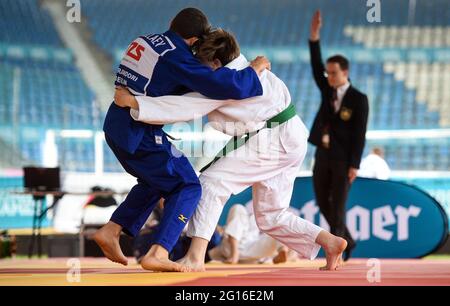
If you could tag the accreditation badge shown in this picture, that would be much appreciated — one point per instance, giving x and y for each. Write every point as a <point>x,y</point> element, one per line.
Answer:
<point>346,114</point>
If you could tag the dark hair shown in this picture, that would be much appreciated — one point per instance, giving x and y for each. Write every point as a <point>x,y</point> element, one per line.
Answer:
<point>219,44</point>
<point>344,64</point>
<point>190,22</point>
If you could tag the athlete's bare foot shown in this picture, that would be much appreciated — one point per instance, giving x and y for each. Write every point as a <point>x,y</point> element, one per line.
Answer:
<point>281,257</point>
<point>153,263</point>
<point>334,247</point>
<point>107,239</point>
<point>157,259</point>
<point>334,253</point>
<point>195,257</point>
<point>341,262</point>
<point>192,265</point>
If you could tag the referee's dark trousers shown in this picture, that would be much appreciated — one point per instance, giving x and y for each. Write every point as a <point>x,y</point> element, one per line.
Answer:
<point>331,187</point>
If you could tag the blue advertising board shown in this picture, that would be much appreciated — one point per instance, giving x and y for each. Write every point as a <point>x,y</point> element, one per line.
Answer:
<point>16,211</point>
<point>387,219</point>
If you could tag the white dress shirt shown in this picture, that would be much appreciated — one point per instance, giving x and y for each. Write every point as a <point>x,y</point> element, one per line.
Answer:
<point>341,91</point>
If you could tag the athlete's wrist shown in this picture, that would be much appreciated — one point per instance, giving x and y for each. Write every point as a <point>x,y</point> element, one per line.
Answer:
<point>133,103</point>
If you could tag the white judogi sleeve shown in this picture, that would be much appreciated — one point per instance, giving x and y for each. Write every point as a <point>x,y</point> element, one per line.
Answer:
<point>172,109</point>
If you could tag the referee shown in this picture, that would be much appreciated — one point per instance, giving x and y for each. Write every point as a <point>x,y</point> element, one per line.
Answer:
<point>338,133</point>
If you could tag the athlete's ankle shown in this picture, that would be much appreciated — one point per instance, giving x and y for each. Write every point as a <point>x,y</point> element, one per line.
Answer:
<point>112,228</point>
<point>195,257</point>
<point>158,251</point>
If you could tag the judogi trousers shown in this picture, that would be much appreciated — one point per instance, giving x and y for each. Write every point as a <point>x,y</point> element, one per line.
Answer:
<point>162,172</point>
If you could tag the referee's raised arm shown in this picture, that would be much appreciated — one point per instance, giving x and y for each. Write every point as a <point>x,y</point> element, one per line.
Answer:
<point>317,65</point>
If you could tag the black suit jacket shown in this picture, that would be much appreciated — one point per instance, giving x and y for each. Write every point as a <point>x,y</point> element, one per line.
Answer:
<point>347,128</point>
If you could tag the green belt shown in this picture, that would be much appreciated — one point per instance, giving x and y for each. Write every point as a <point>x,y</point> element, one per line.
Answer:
<point>238,141</point>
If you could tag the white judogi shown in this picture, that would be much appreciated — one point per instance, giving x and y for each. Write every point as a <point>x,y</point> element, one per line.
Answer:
<point>269,161</point>
<point>253,245</point>
<point>374,166</point>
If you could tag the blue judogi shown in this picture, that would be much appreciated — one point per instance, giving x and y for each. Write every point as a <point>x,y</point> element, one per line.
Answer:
<point>157,65</point>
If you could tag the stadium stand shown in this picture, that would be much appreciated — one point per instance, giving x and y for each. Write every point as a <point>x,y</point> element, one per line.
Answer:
<point>404,94</point>
<point>39,89</point>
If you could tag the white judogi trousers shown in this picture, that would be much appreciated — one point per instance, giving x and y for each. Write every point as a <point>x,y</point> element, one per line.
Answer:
<point>269,162</point>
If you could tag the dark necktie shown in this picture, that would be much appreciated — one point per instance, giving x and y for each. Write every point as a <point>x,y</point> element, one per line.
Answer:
<point>334,98</point>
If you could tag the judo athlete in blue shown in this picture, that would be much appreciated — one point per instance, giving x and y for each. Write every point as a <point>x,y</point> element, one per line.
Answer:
<point>157,65</point>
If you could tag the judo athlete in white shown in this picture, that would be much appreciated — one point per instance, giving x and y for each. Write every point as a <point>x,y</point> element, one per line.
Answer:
<point>243,242</point>
<point>269,161</point>
<point>374,166</point>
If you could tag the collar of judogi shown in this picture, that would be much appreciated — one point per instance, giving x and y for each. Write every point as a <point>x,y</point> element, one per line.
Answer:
<point>177,39</point>
<point>238,63</point>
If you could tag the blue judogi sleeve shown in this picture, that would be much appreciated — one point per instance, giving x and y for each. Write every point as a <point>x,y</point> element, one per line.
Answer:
<point>221,84</point>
